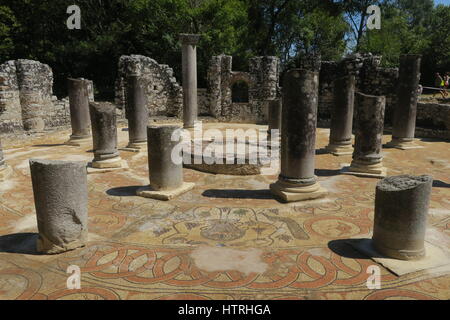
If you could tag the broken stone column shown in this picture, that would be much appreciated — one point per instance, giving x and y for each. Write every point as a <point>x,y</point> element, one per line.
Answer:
<point>166,172</point>
<point>189,64</point>
<point>61,198</point>
<point>79,111</point>
<point>275,115</point>
<point>104,135</point>
<point>401,210</point>
<point>136,113</point>
<point>5,170</point>
<point>342,116</point>
<point>405,113</point>
<point>367,156</point>
<point>297,180</point>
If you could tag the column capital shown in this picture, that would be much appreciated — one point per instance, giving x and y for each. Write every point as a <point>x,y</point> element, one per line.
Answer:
<point>189,39</point>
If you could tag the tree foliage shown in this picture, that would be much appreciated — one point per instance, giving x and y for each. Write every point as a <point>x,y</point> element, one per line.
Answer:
<point>36,29</point>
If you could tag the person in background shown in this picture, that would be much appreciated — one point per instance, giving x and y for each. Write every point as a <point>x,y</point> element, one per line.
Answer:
<point>439,83</point>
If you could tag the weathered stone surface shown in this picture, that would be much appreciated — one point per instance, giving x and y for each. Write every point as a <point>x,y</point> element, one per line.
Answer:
<point>189,66</point>
<point>367,156</point>
<point>401,210</point>
<point>5,170</point>
<point>60,196</point>
<point>79,108</point>
<point>164,93</point>
<point>104,133</point>
<point>342,116</point>
<point>136,112</point>
<point>166,176</point>
<point>405,113</point>
<point>275,115</point>
<point>297,180</point>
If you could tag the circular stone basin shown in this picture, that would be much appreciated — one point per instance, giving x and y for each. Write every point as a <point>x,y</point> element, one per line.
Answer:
<point>239,159</point>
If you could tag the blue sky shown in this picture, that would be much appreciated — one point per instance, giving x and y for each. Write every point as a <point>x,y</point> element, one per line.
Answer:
<point>447,2</point>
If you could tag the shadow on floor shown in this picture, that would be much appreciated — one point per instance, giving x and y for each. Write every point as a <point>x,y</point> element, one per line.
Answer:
<point>440,184</point>
<point>321,151</point>
<point>344,249</point>
<point>123,191</point>
<point>327,173</point>
<point>239,194</point>
<point>24,243</point>
<point>50,145</point>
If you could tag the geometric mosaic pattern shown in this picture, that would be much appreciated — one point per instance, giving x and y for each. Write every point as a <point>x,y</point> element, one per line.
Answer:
<point>143,249</point>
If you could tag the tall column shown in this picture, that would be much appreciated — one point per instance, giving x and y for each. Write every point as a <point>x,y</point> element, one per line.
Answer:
<point>275,115</point>
<point>165,165</point>
<point>405,113</point>
<point>297,180</point>
<point>342,116</point>
<point>61,199</point>
<point>136,113</point>
<point>5,170</point>
<point>79,111</point>
<point>104,135</point>
<point>401,210</point>
<point>189,64</point>
<point>367,156</point>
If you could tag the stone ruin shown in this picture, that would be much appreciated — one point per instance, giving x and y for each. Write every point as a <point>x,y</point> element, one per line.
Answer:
<point>26,97</point>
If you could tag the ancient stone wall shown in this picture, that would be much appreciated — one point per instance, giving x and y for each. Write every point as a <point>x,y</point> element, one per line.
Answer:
<point>371,79</point>
<point>10,110</point>
<point>433,120</point>
<point>165,95</point>
<point>262,82</point>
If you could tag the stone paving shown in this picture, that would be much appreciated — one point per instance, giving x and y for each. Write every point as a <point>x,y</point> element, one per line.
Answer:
<point>226,239</point>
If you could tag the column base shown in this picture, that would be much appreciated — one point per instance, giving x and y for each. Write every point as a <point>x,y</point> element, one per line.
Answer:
<point>45,246</point>
<point>78,142</point>
<point>339,150</point>
<point>403,144</point>
<point>109,165</point>
<point>164,195</point>
<point>407,255</point>
<point>135,147</point>
<point>291,193</point>
<point>5,172</point>
<point>362,169</point>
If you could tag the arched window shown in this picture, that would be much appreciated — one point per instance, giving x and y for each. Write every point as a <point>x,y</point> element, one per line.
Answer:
<point>239,92</point>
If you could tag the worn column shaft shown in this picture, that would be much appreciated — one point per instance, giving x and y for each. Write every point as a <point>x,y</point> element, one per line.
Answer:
<point>164,173</point>
<point>369,128</point>
<point>60,196</point>
<point>136,109</point>
<point>405,113</point>
<point>298,138</point>
<point>2,159</point>
<point>79,108</point>
<point>104,130</point>
<point>189,65</point>
<point>401,210</point>
<point>275,115</point>
<point>342,114</point>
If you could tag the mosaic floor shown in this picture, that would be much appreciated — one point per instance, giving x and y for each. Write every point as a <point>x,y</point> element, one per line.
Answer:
<point>227,239</point>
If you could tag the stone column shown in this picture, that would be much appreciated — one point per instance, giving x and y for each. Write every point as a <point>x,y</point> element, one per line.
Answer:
<point>342,116</point>
<point>401,210</point>
<point>79,111</point>
<point>189,64</point>
<point>405,113</point>
<point>136,113</point>
<point>166,172</point>
<point>5,170</point>
<point>61,199</point>
<point>297,180</point>
<point>104,135</point>
<point>275,115</point>
<point>367,156</point>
